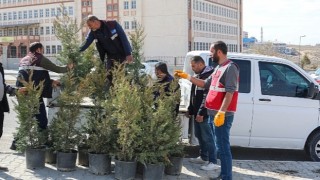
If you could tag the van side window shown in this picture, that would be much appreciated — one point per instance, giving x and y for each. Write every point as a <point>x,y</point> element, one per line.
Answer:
<point>282,80</point>
<point>244,76</point>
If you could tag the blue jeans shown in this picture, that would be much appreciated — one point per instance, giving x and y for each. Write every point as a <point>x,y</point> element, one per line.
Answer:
<point>205,133</point>
<point>223,147</point>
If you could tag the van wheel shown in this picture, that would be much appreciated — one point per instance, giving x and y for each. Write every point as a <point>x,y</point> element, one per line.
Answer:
<point>313,148</point>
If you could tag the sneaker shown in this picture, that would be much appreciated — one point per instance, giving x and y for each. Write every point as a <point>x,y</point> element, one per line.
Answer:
<point>198,160</point>
<point>216,178</point>
<point>210,167</point>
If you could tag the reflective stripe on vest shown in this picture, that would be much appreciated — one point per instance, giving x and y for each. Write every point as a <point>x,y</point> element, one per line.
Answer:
<point>217,91</point>
<point>32,68</point>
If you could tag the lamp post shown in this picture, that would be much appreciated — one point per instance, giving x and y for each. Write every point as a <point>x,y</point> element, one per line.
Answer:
<point>299,49</point>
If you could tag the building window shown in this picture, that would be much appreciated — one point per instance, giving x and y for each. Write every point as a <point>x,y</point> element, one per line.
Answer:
<point>65,11</point>
<point>31,31</point>
<point>19,15</point>
<point>47,12</point>
<point>126,5</point>
<point>109,7</point>
<point>133,4</point>
<point>41,13</point>
<point>14,14</point>
<point>53,12</point>
<point>59,49</point>
<point>13,51</point>
<point>35,13</point>
<point>0,32</point>
<point>41,30</point>
<point>30,14</point>
<point>54,51</point>
<point>133,24</point>
<point>4,16</point>
<point>25,14</point>
<point>20,32</point>
<point>84,3</point>
<point>47,30</point>
<point>10,32</point>
<point>23,50</point>
<point>47,49</point>
<point>9,16</point>
<point>0,17</point>
<point>36,31</point>
<point>15,32</point>
<point>58,12</point>
<point>25,31</point>
<point>70,10</point>
<point>52,30</point>
<point>89,3</point>
<point>115,7</point>
<point>126,24</point>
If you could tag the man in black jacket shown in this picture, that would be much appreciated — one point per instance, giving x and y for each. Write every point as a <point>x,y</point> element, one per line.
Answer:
<point>4,106</point>
<point>202,122</point>
<point>111,42</point>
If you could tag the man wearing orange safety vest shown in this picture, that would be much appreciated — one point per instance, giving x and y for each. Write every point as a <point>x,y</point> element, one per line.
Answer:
<point>221,102</point>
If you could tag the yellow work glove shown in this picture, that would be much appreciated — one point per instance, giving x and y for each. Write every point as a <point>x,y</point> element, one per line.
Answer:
<point>219,118</point>
<point>182,74</point>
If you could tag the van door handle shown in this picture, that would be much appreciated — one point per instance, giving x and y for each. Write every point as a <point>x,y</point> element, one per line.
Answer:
<point>264,99</point>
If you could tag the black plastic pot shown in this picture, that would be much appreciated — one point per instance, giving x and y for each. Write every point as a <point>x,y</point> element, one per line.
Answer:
<point>175,167</point>
<point>99,164</point>
<point>35,158</point>
<point>66,161</point>
<point>125,170</point>
<point>153,171</point>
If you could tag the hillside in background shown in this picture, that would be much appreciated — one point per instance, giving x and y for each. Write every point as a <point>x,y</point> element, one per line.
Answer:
<point>313,52</point>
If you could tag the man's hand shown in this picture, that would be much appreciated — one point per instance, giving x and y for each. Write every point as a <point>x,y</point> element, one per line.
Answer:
<point>219,118</point>
<point>70,66</point>
<point>129,59</point>
<point>199,118</point>
<point>23,90</point>
<point>55,83</point>
<point>181,74</point>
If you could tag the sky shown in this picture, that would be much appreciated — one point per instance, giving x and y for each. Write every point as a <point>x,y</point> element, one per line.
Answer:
<point>283,20</point>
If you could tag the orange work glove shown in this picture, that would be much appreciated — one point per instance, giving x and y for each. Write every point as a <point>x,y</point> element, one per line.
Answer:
<point>182,74</point>
<point>219,118</point>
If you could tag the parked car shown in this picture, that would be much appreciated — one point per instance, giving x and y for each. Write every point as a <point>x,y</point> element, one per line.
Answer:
<point>278,104</point>
<point>316,75</point>
<point>148,69</point>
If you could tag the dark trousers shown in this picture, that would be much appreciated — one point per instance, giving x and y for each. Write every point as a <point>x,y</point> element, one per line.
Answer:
<point>1,122</point>
<point>42,116</point>
<point>109,64</point>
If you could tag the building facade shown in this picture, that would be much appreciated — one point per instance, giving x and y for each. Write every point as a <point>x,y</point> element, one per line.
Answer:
<point>172,27</point>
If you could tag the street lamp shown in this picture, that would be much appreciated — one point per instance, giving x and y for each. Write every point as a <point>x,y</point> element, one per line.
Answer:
<point>299,49</point>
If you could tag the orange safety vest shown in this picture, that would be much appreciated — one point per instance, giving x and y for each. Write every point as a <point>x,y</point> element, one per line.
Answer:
<point>217,91</point>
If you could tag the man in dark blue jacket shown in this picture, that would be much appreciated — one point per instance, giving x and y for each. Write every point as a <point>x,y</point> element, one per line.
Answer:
<point>110,40</point>
<point>202,122</point>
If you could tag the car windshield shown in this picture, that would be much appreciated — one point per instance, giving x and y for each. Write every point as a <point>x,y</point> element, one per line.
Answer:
<point>317,72</point>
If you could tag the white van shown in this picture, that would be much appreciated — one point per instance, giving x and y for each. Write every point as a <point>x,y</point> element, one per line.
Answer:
<point>278,105</point>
